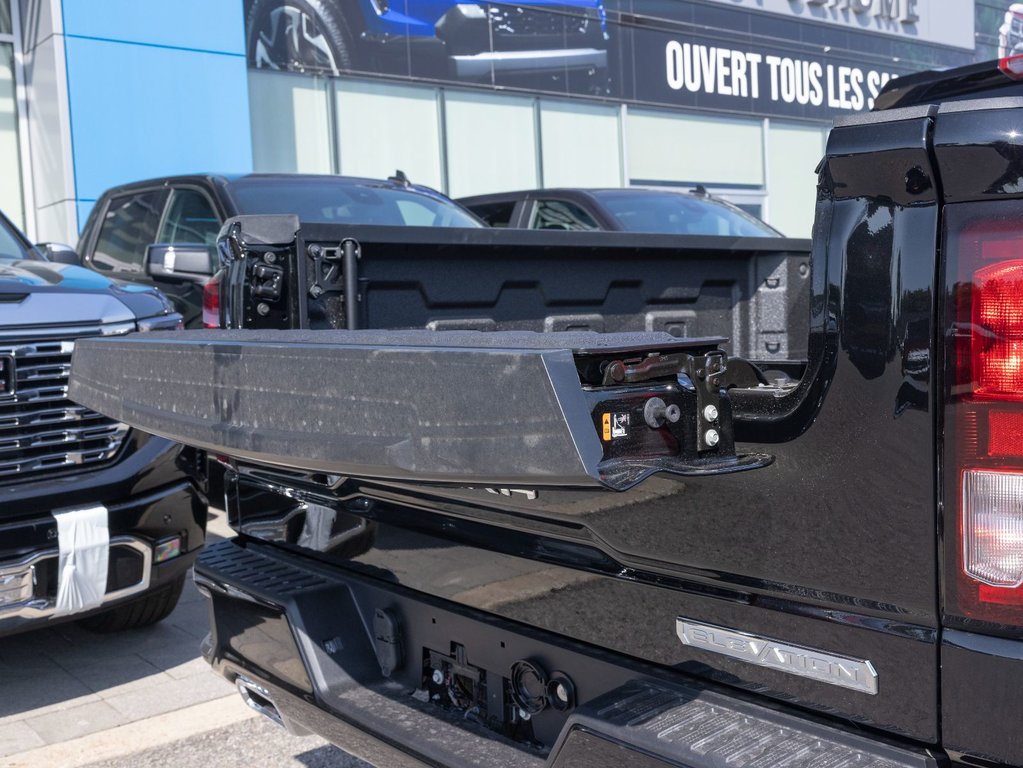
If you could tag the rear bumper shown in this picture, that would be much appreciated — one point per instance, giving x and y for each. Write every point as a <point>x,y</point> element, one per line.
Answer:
<point>305,642</point>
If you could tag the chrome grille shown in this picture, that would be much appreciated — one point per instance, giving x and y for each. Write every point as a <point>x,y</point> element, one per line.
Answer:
<point>41,431</point>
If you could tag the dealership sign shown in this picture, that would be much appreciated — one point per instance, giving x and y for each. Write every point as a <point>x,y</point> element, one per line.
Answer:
<point>827,58</point>
<point>748,75</point>
<point>944,22</point>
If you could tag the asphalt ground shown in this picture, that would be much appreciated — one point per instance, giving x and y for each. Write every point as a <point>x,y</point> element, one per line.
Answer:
<point>71,698</point>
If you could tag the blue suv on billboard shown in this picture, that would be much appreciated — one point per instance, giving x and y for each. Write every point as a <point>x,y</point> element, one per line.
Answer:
<point>435,39</point>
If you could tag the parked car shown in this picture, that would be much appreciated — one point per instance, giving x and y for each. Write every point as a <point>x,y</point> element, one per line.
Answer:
<point>442,38</point>
<point>163,231</point>
<point>99,521</point>
<point>627,209</point>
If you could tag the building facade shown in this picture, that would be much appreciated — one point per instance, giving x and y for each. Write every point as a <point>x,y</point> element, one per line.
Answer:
<point>468,97</point>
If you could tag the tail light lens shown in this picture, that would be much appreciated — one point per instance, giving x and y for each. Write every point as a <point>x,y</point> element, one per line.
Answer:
<point>211,302</point>
<point>1012,66</point>
<point>993,527</point>
<point>983,456</point>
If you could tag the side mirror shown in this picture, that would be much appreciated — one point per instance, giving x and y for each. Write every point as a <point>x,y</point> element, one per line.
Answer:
<point>188,262</point>
<point>59,253</point>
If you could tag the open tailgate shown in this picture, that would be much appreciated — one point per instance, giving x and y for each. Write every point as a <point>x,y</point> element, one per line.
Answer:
<point>563,409</point>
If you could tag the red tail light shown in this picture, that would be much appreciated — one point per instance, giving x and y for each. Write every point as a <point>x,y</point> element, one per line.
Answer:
<point>984,411</point>
<point>211,302</point>
<point>997,328</point>
<point>1012,66</point>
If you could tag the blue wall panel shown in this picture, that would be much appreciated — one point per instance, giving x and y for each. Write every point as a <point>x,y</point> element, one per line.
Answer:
<point>155,87</point>
<point>207,25</point>
<point>139,111</point>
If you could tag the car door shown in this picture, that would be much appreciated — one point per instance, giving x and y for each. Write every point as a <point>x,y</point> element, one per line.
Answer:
<point>191,223</point>
<point>129,223</point>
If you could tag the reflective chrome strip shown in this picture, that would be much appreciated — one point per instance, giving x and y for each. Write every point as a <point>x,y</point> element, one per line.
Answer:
<point>856,674</point>
<point>41,430</point>
<point>17,582</point>
<point>57,332</point>
<point>478,64</point>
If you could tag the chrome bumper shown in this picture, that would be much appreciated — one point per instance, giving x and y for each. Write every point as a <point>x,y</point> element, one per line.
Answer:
<point>482,64</point>
<point>18,598</point>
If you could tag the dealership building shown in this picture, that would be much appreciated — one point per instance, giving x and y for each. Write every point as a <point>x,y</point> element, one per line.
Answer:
<point>467,97</point>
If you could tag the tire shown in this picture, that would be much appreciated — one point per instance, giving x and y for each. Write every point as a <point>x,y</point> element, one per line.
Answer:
<point>141,612</point>
<point>298,35</point>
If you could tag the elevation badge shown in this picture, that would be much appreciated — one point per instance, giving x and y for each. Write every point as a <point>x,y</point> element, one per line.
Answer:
<point>857,674</point>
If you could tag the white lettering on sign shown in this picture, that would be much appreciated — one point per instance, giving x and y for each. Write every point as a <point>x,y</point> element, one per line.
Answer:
<point>698,68</point>
<point>945,22</point>
<point>713,70</point>
<point>902,10</point>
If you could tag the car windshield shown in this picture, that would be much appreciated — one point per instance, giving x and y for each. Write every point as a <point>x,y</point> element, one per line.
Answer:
<point>11,246</point>
<point>331,200</point>
<point>680,213</point>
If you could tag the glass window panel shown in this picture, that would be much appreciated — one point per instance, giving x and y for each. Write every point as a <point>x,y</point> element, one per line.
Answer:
<point>384,127</point>
<point>793,153</point>
<point>491,143</point>
<point>5,17</point>
<point>415,214</point>
<point>10,166</point>
<point>129,225</point>
<point>335,199</point>
<point>190,219</point>
<point>581,145</point>
<point>707,150</point>
<point>495,214</point>
<point>678,212</point>
<point>561,214</point>
<point>290,123</point>
<point>11,246</point>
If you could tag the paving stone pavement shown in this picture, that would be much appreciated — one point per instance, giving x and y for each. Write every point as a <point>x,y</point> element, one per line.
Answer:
<point>63,683</point>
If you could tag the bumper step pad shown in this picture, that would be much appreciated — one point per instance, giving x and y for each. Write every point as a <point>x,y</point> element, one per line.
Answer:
<point>690,728</point>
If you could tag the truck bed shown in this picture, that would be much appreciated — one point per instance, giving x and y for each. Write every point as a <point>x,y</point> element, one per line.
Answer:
<point>751,291</point>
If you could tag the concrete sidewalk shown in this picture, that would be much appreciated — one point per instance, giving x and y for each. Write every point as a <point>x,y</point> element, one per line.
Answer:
<point>62,684</point>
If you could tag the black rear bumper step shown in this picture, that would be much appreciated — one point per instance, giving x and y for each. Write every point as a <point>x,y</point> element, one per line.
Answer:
<point>318,620</point>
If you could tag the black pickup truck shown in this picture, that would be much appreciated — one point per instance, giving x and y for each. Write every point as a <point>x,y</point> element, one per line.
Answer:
<point>98,522</point>
<point>746,503</point>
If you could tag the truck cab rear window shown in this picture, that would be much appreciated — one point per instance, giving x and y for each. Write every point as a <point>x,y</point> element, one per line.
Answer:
<point>332,201</point>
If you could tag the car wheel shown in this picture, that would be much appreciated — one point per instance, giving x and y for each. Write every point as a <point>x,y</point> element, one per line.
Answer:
<point>140,612</point>
<point>298,35</point>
